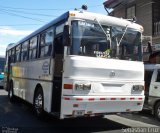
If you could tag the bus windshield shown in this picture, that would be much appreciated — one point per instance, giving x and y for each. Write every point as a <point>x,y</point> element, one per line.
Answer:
<point>90,38</point>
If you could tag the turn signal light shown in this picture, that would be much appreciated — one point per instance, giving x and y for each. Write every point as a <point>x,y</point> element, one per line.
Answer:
<point>68,86</point>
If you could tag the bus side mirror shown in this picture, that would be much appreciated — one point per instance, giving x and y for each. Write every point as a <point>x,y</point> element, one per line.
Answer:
<point>66,38</point>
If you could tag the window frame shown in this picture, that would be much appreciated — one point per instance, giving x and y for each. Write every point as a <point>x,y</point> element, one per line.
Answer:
<point>132,13</point>
<point>31,49</point>
<point>59,28</point>
<point>27,49</point>
<point>13,54</point>
<point>43,44</point>
<point>19,58</point>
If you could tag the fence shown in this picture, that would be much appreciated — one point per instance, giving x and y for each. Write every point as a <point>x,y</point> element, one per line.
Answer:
<point>156,28</point>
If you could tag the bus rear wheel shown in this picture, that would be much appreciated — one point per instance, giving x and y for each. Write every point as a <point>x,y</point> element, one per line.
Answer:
<point>157,111</point>
<point>11,93</point>
<point>39,103</point>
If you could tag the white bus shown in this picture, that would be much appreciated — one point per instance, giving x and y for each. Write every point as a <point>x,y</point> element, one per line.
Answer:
<point>80,64</point>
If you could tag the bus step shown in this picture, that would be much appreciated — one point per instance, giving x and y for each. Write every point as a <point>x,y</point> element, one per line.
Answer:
<point>56,114</point>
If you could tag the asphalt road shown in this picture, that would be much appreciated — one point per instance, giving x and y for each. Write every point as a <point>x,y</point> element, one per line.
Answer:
<point>19,117</point>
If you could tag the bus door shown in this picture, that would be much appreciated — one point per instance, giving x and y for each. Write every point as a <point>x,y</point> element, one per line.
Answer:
<point>8,72</point>
<point>58,68</point>
<point>147,79</point>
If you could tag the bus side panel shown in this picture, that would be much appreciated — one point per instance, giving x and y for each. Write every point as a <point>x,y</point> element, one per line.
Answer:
<point>26,77</point>
<point>21,90</point>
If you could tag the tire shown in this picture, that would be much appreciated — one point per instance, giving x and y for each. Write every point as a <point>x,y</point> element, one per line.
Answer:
<point>157,111</point>
<point>11,93</point>
<point>38,103</point>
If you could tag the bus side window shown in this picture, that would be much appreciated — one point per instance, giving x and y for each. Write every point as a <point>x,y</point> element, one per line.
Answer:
<point>24,52</point>
<point>18,50</point>
<point>33,48</point>
<point>42,45</point>
<point>46,42</point>
<point>58,45</point>
<point>49,41</point>
<point>13,55</point>
<point>9,54</point>
<point>58,56</point>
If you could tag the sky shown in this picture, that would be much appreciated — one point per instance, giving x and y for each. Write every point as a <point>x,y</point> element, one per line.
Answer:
<point>19,18</point>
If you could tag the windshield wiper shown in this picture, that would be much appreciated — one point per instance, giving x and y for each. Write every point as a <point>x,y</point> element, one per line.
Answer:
<point>118,44</point>
<point>104,32</point>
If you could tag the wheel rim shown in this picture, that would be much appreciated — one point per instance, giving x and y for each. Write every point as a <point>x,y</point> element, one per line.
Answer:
<point>158,111</point>
<point>38,103</point>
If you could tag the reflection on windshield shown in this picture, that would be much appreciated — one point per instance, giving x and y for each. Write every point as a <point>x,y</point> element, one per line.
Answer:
<point>89,39</point>
<point>128,46</point>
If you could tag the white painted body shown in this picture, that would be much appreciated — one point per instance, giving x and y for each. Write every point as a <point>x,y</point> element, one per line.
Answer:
<point>26,76</point>
<point>109,93</point>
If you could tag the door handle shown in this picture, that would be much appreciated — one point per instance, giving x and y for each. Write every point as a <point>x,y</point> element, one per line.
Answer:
<point>155,87</point>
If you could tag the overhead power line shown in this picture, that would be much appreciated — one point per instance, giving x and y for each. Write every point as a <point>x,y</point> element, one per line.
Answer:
<point>12,11</point>
<point>19,8</point>
<point>56,9</point>
<point>13,14</point>
<point>18,25</point>
<point>23,12</point>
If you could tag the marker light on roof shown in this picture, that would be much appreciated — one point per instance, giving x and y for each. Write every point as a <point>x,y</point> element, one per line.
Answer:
<point>72,15</point>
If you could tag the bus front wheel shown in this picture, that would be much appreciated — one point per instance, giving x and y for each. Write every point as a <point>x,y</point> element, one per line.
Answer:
<point>157,111</point>
<point>39,102</point>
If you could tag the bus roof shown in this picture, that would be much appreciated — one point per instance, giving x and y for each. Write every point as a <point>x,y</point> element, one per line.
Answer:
<point>103,19</point>
<point>107,20</point>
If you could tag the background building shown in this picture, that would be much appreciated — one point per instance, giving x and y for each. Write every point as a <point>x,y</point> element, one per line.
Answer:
<point>147,13</point>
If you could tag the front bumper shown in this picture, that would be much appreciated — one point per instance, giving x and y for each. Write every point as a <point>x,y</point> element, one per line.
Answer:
<point>90,105</point>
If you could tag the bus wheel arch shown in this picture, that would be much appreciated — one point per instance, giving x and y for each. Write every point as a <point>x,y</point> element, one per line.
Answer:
<point>157,110</point>
<point>10,91</point>
<point>38,101</point>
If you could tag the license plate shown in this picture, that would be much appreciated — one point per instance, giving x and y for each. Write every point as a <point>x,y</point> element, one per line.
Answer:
<point>78,112</point>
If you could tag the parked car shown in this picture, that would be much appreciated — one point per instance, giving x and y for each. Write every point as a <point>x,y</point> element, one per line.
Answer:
<point>1,80</point>
<point>2,62</point>
<point>152,89</point>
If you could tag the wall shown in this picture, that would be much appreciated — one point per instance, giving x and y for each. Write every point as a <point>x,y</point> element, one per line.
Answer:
<point>143,14</point>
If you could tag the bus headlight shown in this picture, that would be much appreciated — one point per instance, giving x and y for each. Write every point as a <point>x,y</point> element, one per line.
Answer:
<point>82,87</point>
<point>138,88</point>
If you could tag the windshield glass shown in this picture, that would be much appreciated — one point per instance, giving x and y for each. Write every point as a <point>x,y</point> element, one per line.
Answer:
<point>93,39</point>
